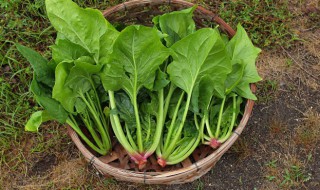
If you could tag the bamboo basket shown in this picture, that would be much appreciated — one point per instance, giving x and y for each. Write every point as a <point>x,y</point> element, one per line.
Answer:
<point>117,164</point>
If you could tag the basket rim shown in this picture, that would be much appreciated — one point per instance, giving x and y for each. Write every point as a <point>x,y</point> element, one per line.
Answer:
<point>167,176</point>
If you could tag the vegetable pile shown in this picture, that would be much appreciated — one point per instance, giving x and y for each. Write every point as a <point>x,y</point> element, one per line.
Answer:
<point>164,89</point>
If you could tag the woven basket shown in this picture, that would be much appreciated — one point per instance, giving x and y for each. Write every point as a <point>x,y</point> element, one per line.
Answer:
<point>117,164</point>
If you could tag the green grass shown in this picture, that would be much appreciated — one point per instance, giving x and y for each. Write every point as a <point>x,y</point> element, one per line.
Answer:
<point>267,21</point>
<point>25,22</point>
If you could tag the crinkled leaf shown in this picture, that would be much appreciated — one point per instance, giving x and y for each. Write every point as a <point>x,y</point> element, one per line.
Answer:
<point>125,109</point>
<point>81,26</point>
<point>176,25</point>
<point>148,125</point>
<point>80,105</point>
<point>150,106</point>
<point>137,54</point>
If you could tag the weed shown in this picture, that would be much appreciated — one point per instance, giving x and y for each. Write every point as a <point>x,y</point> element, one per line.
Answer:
<point>200,185</point>
<point>267,90</point>
<point>272,163</point>
<point>242,148</point>
<point>308,133</point>
<point>294,174</point>
<point>278,127</point>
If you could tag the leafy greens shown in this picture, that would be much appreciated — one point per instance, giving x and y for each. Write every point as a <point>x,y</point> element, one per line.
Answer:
<point>163,89</point>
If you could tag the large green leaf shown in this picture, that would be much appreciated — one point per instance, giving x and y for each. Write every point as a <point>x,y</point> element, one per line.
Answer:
<point>81,26</point>
<point>200,65</point>
<point>137,54</point>
<point>43,71</point>
<point>176,25</point>
<point>242,51</point>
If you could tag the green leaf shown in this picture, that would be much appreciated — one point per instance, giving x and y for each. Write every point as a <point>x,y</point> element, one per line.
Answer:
<point>200,65</point>
<point>106,44</point>
<point>64,50</point>
<point>80,76</point>
<point>81,26</point>
<point>161,80</point>
<point>234,77</point>
<point>242,51</point>
<point>52,107</point>
<point>63,93</point>
<point>43,71</point>
<point>137,54</point>
<point>36,119</point>
<point>243,89</point>
<point>125,109</point>
<point>176,25</point>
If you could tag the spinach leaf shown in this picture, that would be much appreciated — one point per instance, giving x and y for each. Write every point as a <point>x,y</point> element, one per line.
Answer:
<point>200,59</point>
<point>81,26</point>
<point>65,50</point>
<point>242,51</point>
<point>43,71</point>
<point>137,54</point>
<point>176,25</point>
<point>36,119</point>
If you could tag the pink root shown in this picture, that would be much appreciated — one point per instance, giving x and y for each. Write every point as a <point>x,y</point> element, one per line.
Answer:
<point>162,162</point>
<point>214,143</point>
<point>140,160</point>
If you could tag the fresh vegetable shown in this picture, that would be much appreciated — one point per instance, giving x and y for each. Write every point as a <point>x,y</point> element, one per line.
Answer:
<point>132,66</point>
<point>68,87</point>
<point>164,89</point>
<point>220,121</point>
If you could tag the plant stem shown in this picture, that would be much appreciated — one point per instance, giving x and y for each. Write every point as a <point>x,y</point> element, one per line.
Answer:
<point>220,117</point>
<point>133,144</point>
<point>160,123</point>
<point>181,157</point>
<point>116,126</point>
<point>178,134</point>
<point>139,130</point>
<point>86,120</point>
<point>96,118</point>
<point>79,132</point>
<point>208,126</point>
<point>234,104</point>
<point>167,101</point>
<point>171,128</point>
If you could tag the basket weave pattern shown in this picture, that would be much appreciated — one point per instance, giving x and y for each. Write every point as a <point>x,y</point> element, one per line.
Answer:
<point>117,163</point>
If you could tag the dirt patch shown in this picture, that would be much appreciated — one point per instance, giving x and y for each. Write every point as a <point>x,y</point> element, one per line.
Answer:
<point>43,165</point>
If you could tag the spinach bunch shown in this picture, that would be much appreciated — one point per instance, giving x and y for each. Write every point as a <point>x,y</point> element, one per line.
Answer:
<point>164,88</point>
<point>209,75</point>
<point>68,86</point>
